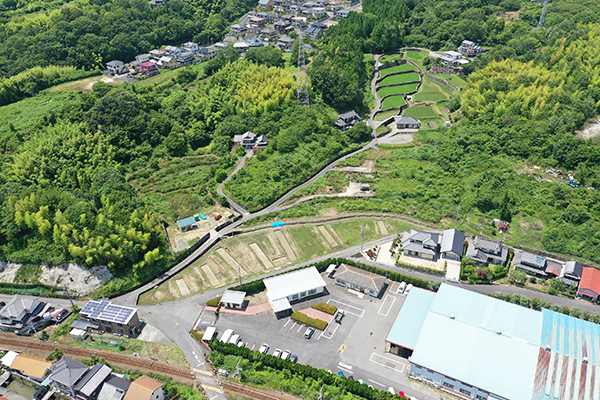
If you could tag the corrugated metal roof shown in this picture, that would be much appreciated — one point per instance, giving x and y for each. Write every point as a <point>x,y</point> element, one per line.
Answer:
<point>293,282</point>
<point>409,321</point>
<point>186,222</point>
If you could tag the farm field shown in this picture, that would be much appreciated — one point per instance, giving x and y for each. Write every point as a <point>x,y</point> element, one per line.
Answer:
<point>266,251</point>
<point>407,88</point>
<point>419,112</point>
<point>25,113</point>
<point>393,101</point>
<point>401,78</point>
<point>385,115</point>
<point>453,79</point>
<point>390,57</point>
<point>429,96</point>
<point>397,68</point>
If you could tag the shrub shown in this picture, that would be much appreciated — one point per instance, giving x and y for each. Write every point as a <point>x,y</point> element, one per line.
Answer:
<point>303,318</point>
<point>328,308</point>
<point>214,302</point>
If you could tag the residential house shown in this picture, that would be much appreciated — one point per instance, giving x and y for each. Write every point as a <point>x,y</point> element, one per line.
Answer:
<point>322,3</point>
<point>342,13</point>
<point>149,69</point>
<point>572,271</point>
<point>469,49</point>
<point>589,286</point>
<point>116,67</point>
<point>318,11</point>
<point>167,62</point>
<point>453,58</point>
<point>347,120</point>
<point>452,244</point>
<point>238,29</point>
<point>111,318</point>
<point>207,53</point>
<point>142,58</point>
<point>285,43</point>
<point>32,366</point>
<point>156,3</point>
<point>289,29</point>
<point>145,388</point>
<point>65,373</point>
<point>420,244</point>
<point>269,32</point>
<point>172,50</point>
<point>254,40</point>
<point>241,47</point>
<point>221,45</point>
<point>294,9</point>
<point>88,387</point>
<point>269,17</point>
<point>313,33</point>
<point>281,25</point>
<point>360,280</point>
<point>113,388</point>
<point>191,46</point>
<point>319,25</point>
<point>255,29</point>
<point>537,265</point>
<point>334,6</point>
<point>300,21</point>
<point>247,140</point>
<point>487,251</point>
<point>266,4</point>
<point>233,299</point>
<point>261,143</point>
<point>257,21</point>
<point>287,17</point>
<point>19,310</point>
<point>185,58</point>
<point>407,123</point>
<point>157,53</point>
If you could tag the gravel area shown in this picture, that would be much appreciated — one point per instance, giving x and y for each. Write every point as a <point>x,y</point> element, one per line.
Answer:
<point>8,271</point>
<point>77,278</point>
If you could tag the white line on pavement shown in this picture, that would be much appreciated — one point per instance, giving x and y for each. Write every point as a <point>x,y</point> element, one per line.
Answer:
<point>292,327</point>
<point>385,365</point>
<point>333,333</point>
<point>287,322</point>
<point>300,328</point>
<point>362,312</point>
<point>344,365</point>
<point>213,398</point>
<point>375,382</point>
<point>384,303</point>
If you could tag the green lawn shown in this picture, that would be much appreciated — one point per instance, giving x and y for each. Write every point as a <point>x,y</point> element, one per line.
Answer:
<point>390,57</point>
<point>429,96</point>
<point>401,78</point>
<point>385,115</point>
<point>25,113</point>
<point>397,68</point>
<point>419,112</point>
<point>415,55</point>
<point>408,88</point>
<point>453,79</point>
<point>432,123</point>
<point>393,101</point>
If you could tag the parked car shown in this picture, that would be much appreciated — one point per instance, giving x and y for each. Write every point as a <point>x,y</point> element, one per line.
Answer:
<point>286,354</point>
<point>218,217</point>
<point>264,348</point>
<point>309,332</point>
<point>35,327</point>
<point>401,288</point>
<point>235,339</point>
<point>62,315</point>
<point>339,317</point>
<point>407,290</point>
<point>341,374</point>
<point>241,344</point>
<point>294,358</point>
<point>277,353</point>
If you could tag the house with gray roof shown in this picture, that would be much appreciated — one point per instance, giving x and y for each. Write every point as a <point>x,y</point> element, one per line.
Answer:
<point>18,309</point>
<point>486,251</point>
<point>407,123</point>
<point>573,271</point>
<point>537,265</point>
<point>65,373</point>
<point>90,383</point>
<point>420,244</point>
<point>116,67</point>
<point>113,388</point>
<point>452,244</point>
<point>357,279</point>
<point>347,120</point>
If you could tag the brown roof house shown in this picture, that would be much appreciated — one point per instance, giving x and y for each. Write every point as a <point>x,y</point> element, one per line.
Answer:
<point>32,366</point>
<point>357,279</point>
<point>145,388</point>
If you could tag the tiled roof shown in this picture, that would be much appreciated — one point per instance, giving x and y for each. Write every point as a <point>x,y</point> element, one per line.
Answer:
<point>590,280</point>
<point>68,371</point>
<point>31,365</point>
<point>142,388</point>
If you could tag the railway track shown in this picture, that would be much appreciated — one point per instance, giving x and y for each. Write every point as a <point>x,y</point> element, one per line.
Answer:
<point>248,391</point>
<point>11,342</point>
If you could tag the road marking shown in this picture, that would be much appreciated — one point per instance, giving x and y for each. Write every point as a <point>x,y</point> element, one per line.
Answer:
<point>200,364</point>
<point>300,328</point>
<point>347,370</point>
<point>201,371</point>
<point>390,364</point>
<point>253,346</point>
<point>213,398</point>
<point>292,327</point>
<point>287,322</point>
<point>385,301</point>
<point>344,365</point>
<point>342,348</point>
<point>214,389</point>
<point>193,352</point>
<point>362,312</point>
<point>333,333</point>
<point>375,382</point>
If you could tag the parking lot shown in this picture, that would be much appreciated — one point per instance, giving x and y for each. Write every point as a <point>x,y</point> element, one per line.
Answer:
<point>356,346</point>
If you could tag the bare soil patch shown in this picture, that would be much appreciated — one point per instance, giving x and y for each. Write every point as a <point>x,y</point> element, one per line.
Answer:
<point>591,130</point>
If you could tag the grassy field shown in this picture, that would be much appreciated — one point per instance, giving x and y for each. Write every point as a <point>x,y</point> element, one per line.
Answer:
<point>407,88</point>
<point>84,85</point>
<point>27,112</point>
<point>390,57</point>
<point>429,96</point>
<point>415,55</point>
<point>453,79</point>
<point>281,247</point>
<point>401,78</point>
<point>432,123</point>
<point>419,112</point>
<point>385,115</point>
<point>393,101</point>
<point>397,68</point>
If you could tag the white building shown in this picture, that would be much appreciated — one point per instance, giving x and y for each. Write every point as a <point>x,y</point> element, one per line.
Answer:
<point>293,286</point>
<point>233,299</point>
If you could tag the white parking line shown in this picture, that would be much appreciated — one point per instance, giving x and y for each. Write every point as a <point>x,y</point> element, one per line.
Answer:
<point>300,328</point>
<point>391,364</point>
<point>385,301</point>
<point>253,346</point>
<point>333,333</point>
<point>362,312</point>
<point>347,370</point>
<point>375,382</point>
<point>344,365</point>
<point>292,327</point>
<point>287,322</point>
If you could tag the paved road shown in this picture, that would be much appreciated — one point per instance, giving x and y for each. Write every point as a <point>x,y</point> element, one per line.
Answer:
<point>232,202</point>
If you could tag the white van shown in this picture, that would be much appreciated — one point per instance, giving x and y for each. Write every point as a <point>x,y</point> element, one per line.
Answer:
<point>235,339</point>
<point>408,289</point>
<point>401,287</point>
<point>227,335</point>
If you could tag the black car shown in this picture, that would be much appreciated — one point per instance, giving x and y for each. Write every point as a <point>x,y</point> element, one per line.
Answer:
<point>35,327</point>
<point>64,314</point>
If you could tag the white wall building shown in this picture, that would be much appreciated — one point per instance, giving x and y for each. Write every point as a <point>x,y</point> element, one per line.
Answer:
<point>293,286</point>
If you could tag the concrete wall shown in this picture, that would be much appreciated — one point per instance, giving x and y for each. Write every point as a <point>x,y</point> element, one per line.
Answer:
<point>299,296</point>
<point>444,382</point>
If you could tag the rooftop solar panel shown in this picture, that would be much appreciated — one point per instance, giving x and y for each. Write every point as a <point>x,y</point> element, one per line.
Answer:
<point>106,311</point>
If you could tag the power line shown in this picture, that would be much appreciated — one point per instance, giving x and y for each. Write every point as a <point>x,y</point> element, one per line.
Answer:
<point>301,75</point>
<point>542,17</point>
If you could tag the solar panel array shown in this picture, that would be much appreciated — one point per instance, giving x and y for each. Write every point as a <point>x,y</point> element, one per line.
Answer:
<point>106,311</point>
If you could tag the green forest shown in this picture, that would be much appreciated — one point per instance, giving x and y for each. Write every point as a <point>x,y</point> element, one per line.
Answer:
<point>90,177</point>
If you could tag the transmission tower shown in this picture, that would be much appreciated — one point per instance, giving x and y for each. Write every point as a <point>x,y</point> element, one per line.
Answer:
<point>542,17</point>
<point>301,75</point>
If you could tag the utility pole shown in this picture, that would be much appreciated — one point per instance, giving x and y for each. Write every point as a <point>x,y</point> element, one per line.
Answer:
<point>542,17</point>
<point>456,220</point>
<point>148,350</point>
<point>240,273</point>
<point>362,227</point>
<point>321,393</point>
<point>409,219</point>
<point>69,295</point>
<point>301,76</point>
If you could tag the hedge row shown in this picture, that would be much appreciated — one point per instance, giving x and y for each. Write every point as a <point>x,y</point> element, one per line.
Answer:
<point>306,320</point>
<point>214,302</point>
<point>301,370</point>
<point>419,268</point>
<point>328,308</point>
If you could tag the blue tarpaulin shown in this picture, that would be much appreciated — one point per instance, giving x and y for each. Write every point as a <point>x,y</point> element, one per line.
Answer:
<point>276,224</point>
<point>203,217</point>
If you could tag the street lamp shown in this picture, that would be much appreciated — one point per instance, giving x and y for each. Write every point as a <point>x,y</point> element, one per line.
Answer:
<point>456,220</point>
